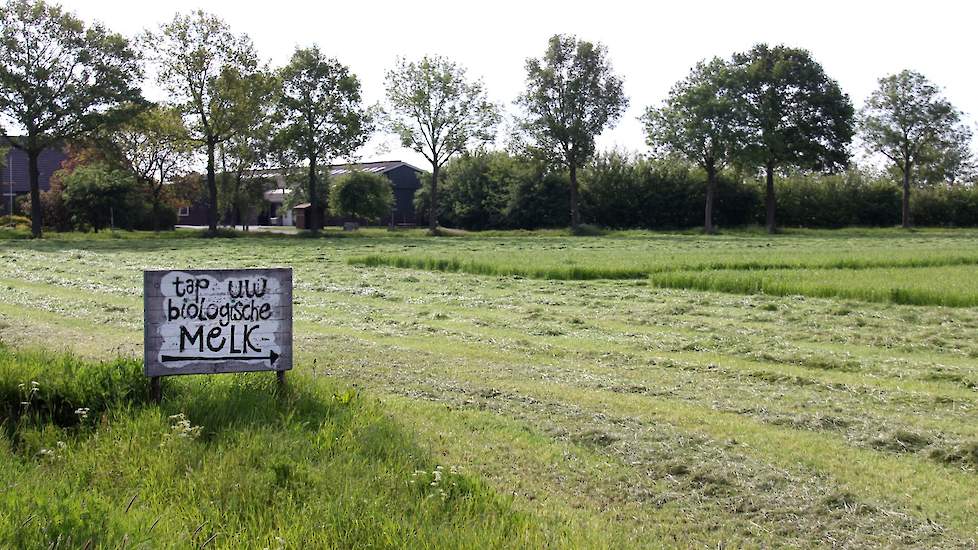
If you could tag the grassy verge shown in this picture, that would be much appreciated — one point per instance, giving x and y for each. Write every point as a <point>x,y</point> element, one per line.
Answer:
<point>223,462</point>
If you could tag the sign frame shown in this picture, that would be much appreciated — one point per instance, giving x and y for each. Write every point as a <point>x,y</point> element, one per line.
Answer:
<point>156,318</point>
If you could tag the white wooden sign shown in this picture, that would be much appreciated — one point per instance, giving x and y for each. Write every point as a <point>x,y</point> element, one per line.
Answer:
<point>217,320</point>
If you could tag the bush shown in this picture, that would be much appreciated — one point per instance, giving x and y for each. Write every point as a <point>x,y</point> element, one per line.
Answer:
<point>496,190</point>
<point>622,192</point>
<point>16,222</point>
<point>474,190</point>
<point>361,195</point>
<point>954,207</point>
<point>838,200</point>
<point>539,198</point>
<point>97,195</point>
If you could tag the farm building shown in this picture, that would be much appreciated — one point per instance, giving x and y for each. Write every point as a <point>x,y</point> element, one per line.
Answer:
<point>15,179</point>
<point>405,181</point>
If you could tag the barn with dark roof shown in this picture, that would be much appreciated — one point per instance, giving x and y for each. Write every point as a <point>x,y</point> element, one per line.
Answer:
<point>405,182</point>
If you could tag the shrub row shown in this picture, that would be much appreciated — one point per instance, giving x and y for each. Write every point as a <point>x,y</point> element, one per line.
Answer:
<point>497,190</point>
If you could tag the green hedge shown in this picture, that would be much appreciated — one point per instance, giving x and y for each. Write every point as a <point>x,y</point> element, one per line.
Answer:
<point>496,190</point>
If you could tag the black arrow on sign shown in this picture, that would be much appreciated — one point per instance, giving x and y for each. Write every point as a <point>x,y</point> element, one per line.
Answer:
<point>272,357</point>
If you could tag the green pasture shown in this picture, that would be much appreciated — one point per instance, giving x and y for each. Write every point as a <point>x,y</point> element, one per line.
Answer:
<point>808,389</point>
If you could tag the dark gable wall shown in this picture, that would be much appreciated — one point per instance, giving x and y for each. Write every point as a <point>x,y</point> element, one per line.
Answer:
<point>405,182</point>
<point>16,163</point>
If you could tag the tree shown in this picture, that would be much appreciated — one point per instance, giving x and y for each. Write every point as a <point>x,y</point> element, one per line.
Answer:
<point>323,115</point>
<point>241,191</point>
<point>214,77</point>
<point>250,148</point>
<point>789,114</point>
<point>907,120</point>
<point>476,188</point>
<point>361,195</point>
<point>572,96</point>
<point>60,80</point>
<point>951,161</point>
<point>697,122</point>
<point>296,185</point>
<point>99,194</point>
<point>153,146</point>
<point>438,112</point>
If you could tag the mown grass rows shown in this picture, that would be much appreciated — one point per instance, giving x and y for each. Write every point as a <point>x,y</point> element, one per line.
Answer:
<point>653,417</point>
<point>671,438</point>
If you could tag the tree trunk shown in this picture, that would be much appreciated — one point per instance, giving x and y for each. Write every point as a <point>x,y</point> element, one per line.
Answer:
<point>433,203</point>
<point>769,199</point>
<point>711,188</point>
<point>315,220</point>
<point>211,190</point>
<point>575,211</point>
<point>906,196</point>
<point>35,176</point>
<point>155,193</point>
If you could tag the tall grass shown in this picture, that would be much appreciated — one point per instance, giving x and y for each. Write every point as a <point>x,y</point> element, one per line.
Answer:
<point>504,267</point>
<point>224,462</point>
<point>953,286</point>
<point>485,268</point>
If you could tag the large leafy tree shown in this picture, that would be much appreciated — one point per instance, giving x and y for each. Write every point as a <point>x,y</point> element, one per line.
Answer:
<point>214,78</point>
<point>361,195</point>
<point>153,146</point>
<point>323,116</point>
<point>790,114</point>
<point>908,121</point>
<point>697,122</point>
<point>437,111</point>
<point>61,79</point>
<point>572,96</point>
<point>249,149</point>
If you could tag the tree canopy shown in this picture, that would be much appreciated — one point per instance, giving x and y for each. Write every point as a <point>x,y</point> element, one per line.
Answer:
<point>322,115</point>
<point>572,95</point>
<point>153,146</point>
<point>789,114</point>
<point>908,121</point>
<point>436,110</point>
<point>698,122</point>
<point>361,195</point>
<point>61,79</point>
<point>214,77</point>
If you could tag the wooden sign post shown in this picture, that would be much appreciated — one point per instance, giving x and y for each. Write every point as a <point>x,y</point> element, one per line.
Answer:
<point>216,320</point>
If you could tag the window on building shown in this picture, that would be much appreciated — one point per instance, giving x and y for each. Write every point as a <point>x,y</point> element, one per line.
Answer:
<point>184,211</point>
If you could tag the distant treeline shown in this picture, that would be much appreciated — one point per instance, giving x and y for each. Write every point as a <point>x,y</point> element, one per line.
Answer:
<point>499,190</point>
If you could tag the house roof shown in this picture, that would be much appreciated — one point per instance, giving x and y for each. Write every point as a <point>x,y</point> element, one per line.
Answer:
<point>377,167</point>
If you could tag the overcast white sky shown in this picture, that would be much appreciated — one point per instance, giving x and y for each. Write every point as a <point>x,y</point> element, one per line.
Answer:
<point>651,45</point>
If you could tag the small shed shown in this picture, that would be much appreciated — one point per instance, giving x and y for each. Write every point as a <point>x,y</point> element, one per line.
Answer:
<point>300,215</point>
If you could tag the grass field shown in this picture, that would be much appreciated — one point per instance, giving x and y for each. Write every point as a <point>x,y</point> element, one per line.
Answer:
<point>628,390</point>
